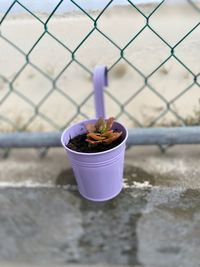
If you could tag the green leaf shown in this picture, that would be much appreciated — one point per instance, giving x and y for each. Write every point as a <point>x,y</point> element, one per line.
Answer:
<point>91,145</point>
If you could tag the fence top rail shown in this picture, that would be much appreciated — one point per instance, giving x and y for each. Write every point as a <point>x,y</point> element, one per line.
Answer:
<point>146,136</point>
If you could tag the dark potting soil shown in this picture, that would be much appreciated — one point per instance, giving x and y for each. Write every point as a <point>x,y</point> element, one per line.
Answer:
<point>79,144</point>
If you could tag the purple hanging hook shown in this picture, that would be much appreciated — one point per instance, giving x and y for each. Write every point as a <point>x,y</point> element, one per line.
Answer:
<point>100,79</point>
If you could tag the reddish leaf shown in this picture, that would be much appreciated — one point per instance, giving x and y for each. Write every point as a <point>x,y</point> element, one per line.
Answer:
<point>91,128</point>
<point>93,142</point>
<point>111,139</point>
<point>107,133</point>
<point>101,125</point>
<point>95,137</point>
<point>109,123</point>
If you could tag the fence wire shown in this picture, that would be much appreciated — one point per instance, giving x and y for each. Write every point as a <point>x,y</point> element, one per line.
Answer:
<point>74,59</point>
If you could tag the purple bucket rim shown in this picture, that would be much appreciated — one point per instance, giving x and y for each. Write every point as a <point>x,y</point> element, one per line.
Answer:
<point>95,153</point>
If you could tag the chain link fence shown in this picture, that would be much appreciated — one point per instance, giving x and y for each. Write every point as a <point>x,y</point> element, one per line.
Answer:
<point>12,84</point>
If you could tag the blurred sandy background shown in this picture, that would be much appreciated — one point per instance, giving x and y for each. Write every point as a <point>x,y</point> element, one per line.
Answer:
<point>146,53</point>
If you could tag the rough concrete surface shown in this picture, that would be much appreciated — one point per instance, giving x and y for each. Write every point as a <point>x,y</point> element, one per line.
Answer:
<point>178,167</point>
<point>154,221</point>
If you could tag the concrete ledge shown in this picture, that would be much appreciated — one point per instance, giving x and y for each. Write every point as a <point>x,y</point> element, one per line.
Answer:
<point>178,167</point>
<point>154,221</point>
<point>140,227</point>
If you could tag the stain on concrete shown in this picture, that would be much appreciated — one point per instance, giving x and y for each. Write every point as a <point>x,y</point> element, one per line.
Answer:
<point>131,175</point>
<point>169,250</point>
<point>135,174</point>
<point>39,226</point>
<point>169,230</point>
<point>52,225</point>
<point>66,177</point>
<point>190,197</point>
<point>110,234</point>
<point>167,180</point>
<point>186,207</point>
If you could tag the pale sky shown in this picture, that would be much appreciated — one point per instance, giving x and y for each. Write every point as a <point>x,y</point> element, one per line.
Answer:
<point>66,6</point>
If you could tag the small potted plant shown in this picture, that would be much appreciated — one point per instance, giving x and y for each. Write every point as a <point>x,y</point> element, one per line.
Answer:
<point>96,151</point>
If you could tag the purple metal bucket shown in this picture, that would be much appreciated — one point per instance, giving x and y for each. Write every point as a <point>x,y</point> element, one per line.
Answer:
<point>99,175</point>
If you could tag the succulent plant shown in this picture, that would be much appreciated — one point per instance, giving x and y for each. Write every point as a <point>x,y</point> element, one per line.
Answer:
<point>101,132</point>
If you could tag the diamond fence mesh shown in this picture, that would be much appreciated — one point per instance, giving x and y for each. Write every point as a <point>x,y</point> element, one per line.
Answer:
<point>26,57</point>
